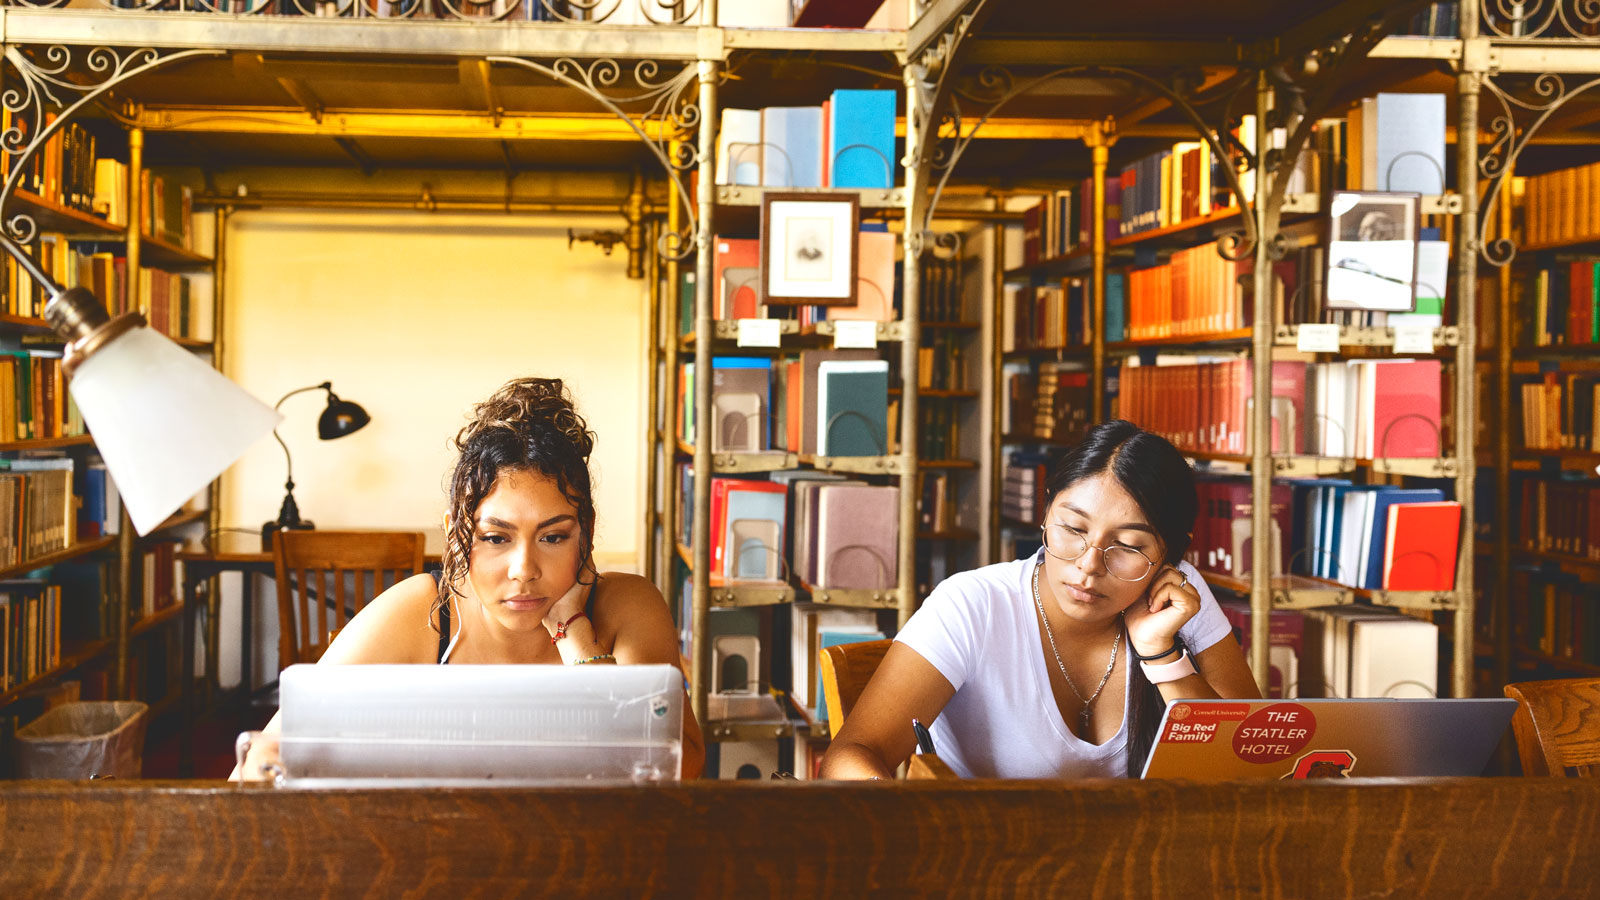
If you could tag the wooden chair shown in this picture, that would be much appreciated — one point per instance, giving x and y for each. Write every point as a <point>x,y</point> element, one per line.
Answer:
<point>323,578</point>
<point>1557,726</point>
<point>846,669</point>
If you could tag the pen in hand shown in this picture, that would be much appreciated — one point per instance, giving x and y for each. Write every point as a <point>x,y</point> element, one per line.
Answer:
<point>924,739</point>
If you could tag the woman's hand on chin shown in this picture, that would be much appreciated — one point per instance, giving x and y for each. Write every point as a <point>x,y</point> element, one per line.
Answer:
<point>1153,621</point>
<point>567,605</point>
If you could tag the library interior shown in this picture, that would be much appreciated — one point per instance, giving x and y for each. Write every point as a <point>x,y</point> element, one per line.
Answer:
<point>895,361</point>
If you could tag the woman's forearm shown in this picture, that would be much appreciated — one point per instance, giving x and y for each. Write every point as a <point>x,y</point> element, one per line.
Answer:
<point>854,762</point>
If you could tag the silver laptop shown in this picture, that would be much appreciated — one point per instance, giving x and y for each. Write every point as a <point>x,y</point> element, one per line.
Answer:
<point>480,725</point>
<point>1228,740</point>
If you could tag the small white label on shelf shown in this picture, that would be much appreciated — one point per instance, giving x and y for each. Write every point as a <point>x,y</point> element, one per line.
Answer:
<point>758,332</point>
<point>1410,337</point>
<point>1317,339</point>
<point>853,335</point>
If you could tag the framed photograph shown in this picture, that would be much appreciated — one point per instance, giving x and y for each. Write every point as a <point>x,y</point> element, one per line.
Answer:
<point>1372,251</point>
<point>808,248</point>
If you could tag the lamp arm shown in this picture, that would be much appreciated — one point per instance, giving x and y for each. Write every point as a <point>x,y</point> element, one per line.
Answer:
<point>29,264</point>
<point>288,460</point>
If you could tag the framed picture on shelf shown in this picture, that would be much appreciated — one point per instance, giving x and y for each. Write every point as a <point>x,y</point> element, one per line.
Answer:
<point>1372,251</point>
<point>808,248</point>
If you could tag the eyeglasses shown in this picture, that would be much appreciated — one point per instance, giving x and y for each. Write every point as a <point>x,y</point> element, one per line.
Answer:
<point>1122,563</point>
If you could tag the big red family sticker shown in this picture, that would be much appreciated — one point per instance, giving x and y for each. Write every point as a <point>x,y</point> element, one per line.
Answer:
<point>1274,733</point>
<point>1196,722</point>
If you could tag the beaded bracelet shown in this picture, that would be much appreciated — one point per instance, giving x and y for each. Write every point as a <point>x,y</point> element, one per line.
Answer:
<point>603,656</point>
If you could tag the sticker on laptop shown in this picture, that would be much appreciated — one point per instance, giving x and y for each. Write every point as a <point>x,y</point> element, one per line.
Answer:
<point>1274,733</point>
<point>1196,723</point>
<point>1323,764</point>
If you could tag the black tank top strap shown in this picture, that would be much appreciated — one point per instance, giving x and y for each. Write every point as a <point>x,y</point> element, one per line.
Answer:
<point>444,621</point>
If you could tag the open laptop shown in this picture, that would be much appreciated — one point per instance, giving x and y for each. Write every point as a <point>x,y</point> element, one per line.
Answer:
<point>1227,740</point>
<point>410,726</point>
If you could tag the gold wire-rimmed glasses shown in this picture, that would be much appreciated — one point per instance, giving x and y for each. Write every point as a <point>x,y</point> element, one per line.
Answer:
<point>1122,563</point>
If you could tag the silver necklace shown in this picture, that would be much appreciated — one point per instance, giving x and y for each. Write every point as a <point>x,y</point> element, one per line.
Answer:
<point>1115,643</point>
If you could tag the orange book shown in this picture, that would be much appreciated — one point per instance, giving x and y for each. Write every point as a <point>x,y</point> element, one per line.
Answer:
<point>1420,546</point>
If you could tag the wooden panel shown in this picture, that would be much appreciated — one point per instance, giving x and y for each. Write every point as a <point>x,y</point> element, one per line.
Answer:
<point>1466,838</point>
<point>1557,725</point>
<point>846,669</point>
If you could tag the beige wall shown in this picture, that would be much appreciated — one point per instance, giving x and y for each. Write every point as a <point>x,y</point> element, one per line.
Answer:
<point>416,317</point>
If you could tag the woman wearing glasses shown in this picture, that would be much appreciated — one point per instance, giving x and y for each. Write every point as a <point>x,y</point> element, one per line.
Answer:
<point>1060,665</point>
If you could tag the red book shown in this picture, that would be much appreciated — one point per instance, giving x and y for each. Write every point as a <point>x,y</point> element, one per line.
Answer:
<point>1406,409</point>
<point>1420,546</point>
<point>734,253</point>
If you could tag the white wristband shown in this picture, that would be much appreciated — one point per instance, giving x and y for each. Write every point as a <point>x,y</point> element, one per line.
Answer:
<point>1172,671</point>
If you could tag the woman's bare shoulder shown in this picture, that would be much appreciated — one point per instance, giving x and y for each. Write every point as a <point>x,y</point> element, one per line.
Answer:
<point>396,627</point>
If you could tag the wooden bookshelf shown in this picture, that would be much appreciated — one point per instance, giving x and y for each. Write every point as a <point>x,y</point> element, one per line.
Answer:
<point>81,548</point>
<point>947,464</point>
<point>54,217</point>
<point>939,394</point>
<point>1564,663</point>
<point>156,619</point>
<point>162,254</point>
<point>953,534</point>
<point>72,656</point>
<point>952,326</point>
<point>26,324</point>
<point>1240,336</point>
<point>1046,354</point>
<point>77,440</point>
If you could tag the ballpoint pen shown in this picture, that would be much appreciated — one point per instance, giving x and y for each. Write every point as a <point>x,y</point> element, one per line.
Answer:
<point>924,739</point>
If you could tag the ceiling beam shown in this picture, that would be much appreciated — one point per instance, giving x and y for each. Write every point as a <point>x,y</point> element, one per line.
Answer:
<point>353,150</point>
<point>478,79</point>
<point>1022,50</point>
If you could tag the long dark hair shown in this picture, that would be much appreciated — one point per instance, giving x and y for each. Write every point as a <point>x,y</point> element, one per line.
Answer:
<point>1159,479</point>
<point>529,424</point>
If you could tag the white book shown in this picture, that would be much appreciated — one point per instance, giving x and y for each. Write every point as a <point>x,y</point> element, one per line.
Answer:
<point>1397,657</point>
<point>739,147</point>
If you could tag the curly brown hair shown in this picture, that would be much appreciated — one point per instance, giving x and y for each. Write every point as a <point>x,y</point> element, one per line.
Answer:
<point>529,424</point>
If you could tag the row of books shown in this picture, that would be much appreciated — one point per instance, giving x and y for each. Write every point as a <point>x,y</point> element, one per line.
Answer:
<point>823,402</point>
<point>30,630</point>
<point>1558,304</point>
<point>1050,405</point>
<point>1063,221</point>
<point>1356,408</point>
<point>824,529</point>
<point>1178,184</point>
<point>942,362</point>
<point>1561,614</point>
<point>1022,485</point>
<point>34,401</point>
<point>1196,292</point>
<point>1559,517</point>
<point>1559,410</point>
<point>40,508</point>
<point>1344,651</point>
<point>813,628</point>
<point>847,142</point>
<point>65,171</point>
<point>936,503</point>
<point>180,305</point>
<point>1380,537</point>
<point>1559,207</point>
<point>1435,20</point>
<point>1048,317</point>
<point>938,428</point>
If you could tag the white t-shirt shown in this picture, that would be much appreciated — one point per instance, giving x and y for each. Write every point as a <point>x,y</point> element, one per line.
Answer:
<point>981,631</point>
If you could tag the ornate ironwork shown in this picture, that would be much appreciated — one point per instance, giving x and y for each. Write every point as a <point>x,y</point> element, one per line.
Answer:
<point>643,12</point>
<point>46,84</point>
<point>1541,19</point>
<point>666,106</point>
<point>1541,98</point>
<point>997,87</point>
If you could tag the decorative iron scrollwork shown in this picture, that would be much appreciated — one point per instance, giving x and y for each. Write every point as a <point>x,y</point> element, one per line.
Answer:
<point>644,12</point>
<point>66,82</point>
<point>664,115</point>
<point>1541,19</point>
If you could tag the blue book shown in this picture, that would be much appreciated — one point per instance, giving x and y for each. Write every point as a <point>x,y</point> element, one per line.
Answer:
<point>1410,142</point>
<point>755,533</point>
<point>791,146</point>
<point>1372,579</point>
<point>861,139</point>
<point>1116,306</point>
<point>853,408</point>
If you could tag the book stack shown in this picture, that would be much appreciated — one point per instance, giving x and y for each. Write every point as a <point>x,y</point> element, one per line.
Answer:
<point>1559,517</point>
<point>1558,304</point>
<point>1361,651</point>
<point>1558,411</point>
<point>1221,541</point>
<point>847,142</point>
<point>1371,409</point>
<point>39,508</point>
<point>1285,636</point>
<point>1561,617</point>
<point>1379,537</point>
<point>1204,407</point>
<point>1063,221</point>
<point>1555,208</point>
<point>1022,492</point>
<point>30,623</point>
<point>34,401</point>
<point>1197,292</point>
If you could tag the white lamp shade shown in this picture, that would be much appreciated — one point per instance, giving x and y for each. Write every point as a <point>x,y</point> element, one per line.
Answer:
<point>166,423</point>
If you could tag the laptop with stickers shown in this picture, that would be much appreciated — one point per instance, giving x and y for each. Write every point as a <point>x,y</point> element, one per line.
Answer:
<point>1228,740</point>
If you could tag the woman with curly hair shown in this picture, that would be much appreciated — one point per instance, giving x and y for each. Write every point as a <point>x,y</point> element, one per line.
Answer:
<point>519,583</point>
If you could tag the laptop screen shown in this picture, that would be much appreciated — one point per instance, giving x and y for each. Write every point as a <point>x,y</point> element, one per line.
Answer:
<point>387,725</point>
<point>1222,740</point>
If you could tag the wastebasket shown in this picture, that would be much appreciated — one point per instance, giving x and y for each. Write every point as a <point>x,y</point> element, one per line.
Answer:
<point>79,741</point>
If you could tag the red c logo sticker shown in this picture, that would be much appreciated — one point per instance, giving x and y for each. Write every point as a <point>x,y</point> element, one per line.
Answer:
<point>1324,764</point>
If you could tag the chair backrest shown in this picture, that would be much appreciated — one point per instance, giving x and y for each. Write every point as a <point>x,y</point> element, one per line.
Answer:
<point>1557,725</point>
<point>325,577</point>
<point>846,669</point>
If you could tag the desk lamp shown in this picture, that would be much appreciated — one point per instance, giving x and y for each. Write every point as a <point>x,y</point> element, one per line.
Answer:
<point>166,423</point>
<point>339,418</point>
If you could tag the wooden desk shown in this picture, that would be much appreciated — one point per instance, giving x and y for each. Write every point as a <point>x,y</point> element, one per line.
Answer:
<point>232,551</point>
<point>1460,838</point>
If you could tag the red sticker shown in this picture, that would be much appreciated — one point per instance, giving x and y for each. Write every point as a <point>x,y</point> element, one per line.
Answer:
<point>1324,764</point>
<point>1196,723</point>
<point>1274,733</point>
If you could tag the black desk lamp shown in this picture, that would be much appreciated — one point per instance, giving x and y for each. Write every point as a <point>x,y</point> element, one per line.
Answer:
<point>339,418</point>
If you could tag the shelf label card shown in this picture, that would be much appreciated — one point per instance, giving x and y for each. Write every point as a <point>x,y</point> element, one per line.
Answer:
<point>1411,337</point>
<point>849,334</point>
<point>758,332</point>
<point>1317,339</point>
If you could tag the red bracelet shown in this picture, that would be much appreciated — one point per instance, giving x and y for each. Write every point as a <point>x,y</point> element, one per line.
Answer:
<point>561,628</point>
